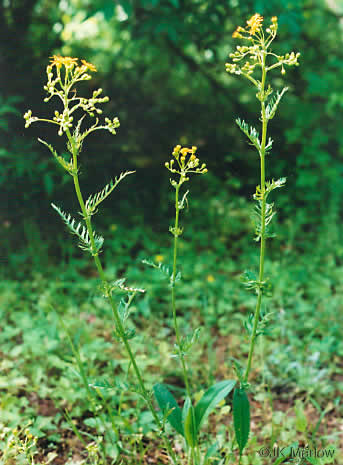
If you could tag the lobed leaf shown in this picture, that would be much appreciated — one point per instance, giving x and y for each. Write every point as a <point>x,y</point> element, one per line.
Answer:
<point>274,103</point>
<point>94,200</point>
<point>68,166</point>
<point>250,132</point>
<point>81,232</point>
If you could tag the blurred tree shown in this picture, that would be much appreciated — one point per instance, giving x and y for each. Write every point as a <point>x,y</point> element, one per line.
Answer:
<point>162,62</point>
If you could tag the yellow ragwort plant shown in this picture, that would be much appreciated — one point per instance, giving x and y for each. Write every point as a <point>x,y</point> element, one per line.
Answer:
<point>188,420</point>
<point>64,73</point>
<point>254,61</point>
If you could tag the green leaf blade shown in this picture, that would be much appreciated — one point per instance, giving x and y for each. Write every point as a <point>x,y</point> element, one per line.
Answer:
<point>210,399</point>
<point>188,416</point>
<point>166,401</point>
<point>241,417</point>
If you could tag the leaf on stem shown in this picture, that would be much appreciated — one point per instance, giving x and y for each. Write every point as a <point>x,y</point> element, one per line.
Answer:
<point>120,284</point>
<point>251,282</point>
<point>81,232</point>
<point>274,103</point>
<point>250,132</point>
<point>165,270</point>
<point>94,200</point>
<point>263,326</point>
<point>257,219</point>
<point>68,166</point>
<point>124,312</point>
<point>269,187</point>
<point>186,343</point>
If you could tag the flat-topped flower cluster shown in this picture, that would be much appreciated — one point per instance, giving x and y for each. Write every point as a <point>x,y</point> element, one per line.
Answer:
<point>63,73</point>
<point>256,53</point>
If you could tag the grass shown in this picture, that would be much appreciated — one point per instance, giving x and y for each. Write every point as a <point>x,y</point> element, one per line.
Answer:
<point>303,356</point>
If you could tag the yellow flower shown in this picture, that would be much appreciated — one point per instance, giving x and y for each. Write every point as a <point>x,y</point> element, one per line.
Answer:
<point>236,34</point>
<point>274,19</point>
<point>159,258</point>
<point>58,61</point>
<point>113,227</point>
<point>89,66</point>
<point>210,278</point>
<point>255,23</point>
<point>185,150</point>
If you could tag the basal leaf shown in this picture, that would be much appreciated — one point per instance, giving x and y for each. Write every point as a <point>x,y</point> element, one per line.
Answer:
<point>166,402</point>
<point>188,416</point>
<point>210,399</point>
<point>241,417</point>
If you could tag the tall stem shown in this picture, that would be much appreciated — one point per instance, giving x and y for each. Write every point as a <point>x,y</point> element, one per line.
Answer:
<point>176,326</point>
<point>114,308</point>
<point>194,457</point>
<point>263,218</point>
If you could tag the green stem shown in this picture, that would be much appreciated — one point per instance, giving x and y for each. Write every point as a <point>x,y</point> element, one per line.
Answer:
<point>263,219</point>
<point>114,308</point>
<point>176,326</point>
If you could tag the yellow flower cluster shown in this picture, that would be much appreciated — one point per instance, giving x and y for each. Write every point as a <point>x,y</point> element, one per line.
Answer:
<point>255,23</point>
<point>247,58</point>
<point>187,162</point>
<point>64,73</point>
<point>254,26</point>
<point>69,63</point>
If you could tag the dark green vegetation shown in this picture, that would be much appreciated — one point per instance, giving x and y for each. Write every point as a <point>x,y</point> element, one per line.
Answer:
<point>162,62</point>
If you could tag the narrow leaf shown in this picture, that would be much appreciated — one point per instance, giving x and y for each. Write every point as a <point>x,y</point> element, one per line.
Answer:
<point>210,399</point>
<point>166,401</point>
<point>241,417</point>
<point>188,416</point>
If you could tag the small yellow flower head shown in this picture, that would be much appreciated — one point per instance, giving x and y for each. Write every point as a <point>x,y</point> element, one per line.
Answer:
<point>89,66</point>
<point>58,61</point>
<point>176,150</point>
<point>159,258</point>
<point>210,278</point>
<point>274,19</point>
<point>185,150</point>
<point>236,34</point>
<point>255,23</point>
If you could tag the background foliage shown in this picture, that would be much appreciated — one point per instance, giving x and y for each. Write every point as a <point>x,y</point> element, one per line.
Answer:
<point>162,63</point>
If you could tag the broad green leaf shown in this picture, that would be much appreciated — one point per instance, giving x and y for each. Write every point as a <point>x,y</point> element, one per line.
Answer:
<point>241,417</point>
<point>210,399</point>
<point>166,401</point>
<point>188,417</point>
